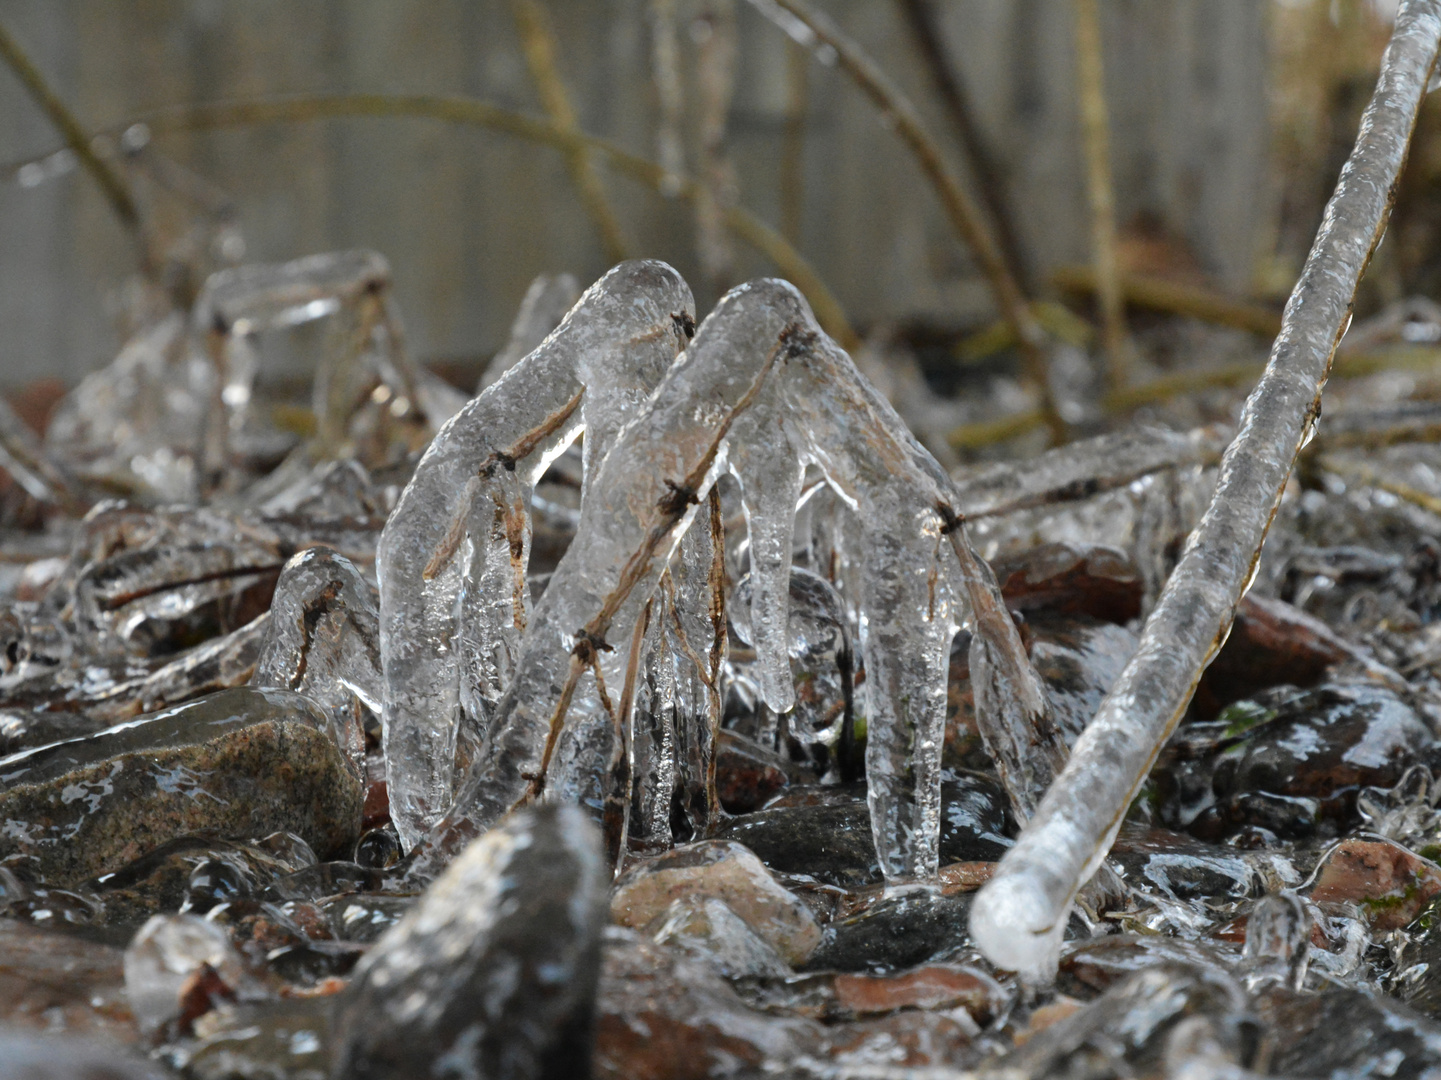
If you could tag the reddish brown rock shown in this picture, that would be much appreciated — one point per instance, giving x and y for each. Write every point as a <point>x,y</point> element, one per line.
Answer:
<point>747,774</point>
<point>1390,883</point>
<point>662,1017</point>
<point>729,872</point>
<point>933,986</point>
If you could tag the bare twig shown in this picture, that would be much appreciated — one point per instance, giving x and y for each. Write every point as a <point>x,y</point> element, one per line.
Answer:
<point>963,213</point>
<point>112,184</point>
<point>1176,298</point>
<point>793,142</point>
<point>1019,917</point>
<point>538,42</point>
<point>926,29</point>
<point>1096,132</point>
<point>469,111</point>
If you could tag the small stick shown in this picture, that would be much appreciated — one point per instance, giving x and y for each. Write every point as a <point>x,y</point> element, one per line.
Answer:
<point>793,141</point>
<point>926,29</point>
<point>538,43</point>
<point>114,187</point>
<point>1096,137</point>
<point>1018,919</point>
<point>963,213</point>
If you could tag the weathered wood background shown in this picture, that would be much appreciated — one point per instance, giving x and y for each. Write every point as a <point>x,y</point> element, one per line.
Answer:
<point>468,217</point>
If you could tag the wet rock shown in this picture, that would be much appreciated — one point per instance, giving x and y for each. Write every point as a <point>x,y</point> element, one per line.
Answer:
<point>1093,965</point>
<point>898,1042</point>
<point>165,879</point>
<point>933,986</point>
<point>1179,866</point>
<point>1293,761</point>
<point>1124,1032</point>
<point>727,871</point>
<point>1343,1032</point>
<point>900,931</point>
<point>833,843</point>
<point>1071,579</point>
<point>708,931</point>
<point>747,774</point>
<point>1271,644</point>
<point>1389,883</point>
<point>240,763</point>
<point>1078,659</point>
<point>51,981</point>
<point>21,729</point>
<point>661,1016</point>
<point>494,971</point>
<point>27,1056</point>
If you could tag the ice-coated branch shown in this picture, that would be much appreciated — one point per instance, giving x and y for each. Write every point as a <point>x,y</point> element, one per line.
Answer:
<point>1019,917</point>
<point>451,560</point>
<point>763,393</point>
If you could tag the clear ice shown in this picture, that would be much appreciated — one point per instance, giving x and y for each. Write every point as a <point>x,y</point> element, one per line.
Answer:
<point>606,693</point>
<point>1019,917</point>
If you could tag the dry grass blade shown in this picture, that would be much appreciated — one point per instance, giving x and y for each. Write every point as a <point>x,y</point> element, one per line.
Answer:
<point>469,111</point>
<point>538,43</point>
<point>117,191</point>
<point>963,213</point>
<point>1096,137</point>
<point>1019,917</point>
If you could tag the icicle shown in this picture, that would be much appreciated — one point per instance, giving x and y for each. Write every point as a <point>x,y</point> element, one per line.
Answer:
<point>1019,917</point>
<point>441,543</point>
<point>770,489</point>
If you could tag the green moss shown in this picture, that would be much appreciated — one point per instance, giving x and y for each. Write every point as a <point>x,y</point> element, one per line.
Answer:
<point>1244,716</point>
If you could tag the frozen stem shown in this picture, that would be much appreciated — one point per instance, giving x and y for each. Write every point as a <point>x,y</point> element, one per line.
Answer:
<point>1020,916</point>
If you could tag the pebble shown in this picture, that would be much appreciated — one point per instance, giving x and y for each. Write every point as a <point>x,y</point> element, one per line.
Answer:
<point>1342,1032</point>
<point>727,871</point>
<point>1293,761</point>
<point>832,842</point>
<point>241,763</point>
<point>662,1016</point>
<point>902,930</point>
<point>1390,883</point>
<point>705,929</point>
<point>494,971</point>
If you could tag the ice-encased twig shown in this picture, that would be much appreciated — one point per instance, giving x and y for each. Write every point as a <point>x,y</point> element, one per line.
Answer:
<point>451,608</point>
<point>763,392</point>
<point>1020,915</point>
<point>323,641</point>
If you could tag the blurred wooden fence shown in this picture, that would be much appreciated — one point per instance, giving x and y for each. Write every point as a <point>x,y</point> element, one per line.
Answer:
<point>468,217</point>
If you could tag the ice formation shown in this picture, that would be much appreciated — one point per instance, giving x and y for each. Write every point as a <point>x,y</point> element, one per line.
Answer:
<point>1019,917</point>
<point>606,693</point>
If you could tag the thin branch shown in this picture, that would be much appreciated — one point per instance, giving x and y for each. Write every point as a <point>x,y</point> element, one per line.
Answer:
<point>1175,298</point>
<point>1096,137</point>
<point>112,184</point>
<point>793,142</point>
<point>920,15</point>
<point>964,215</point>
<point>1018,919</point>
<point>538,43</point>
<point>469,111</point>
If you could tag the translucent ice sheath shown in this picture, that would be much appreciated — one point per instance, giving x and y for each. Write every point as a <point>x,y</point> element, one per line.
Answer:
<point>453,601</point>
<point>1020,915</point>
<point>763,392</point>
